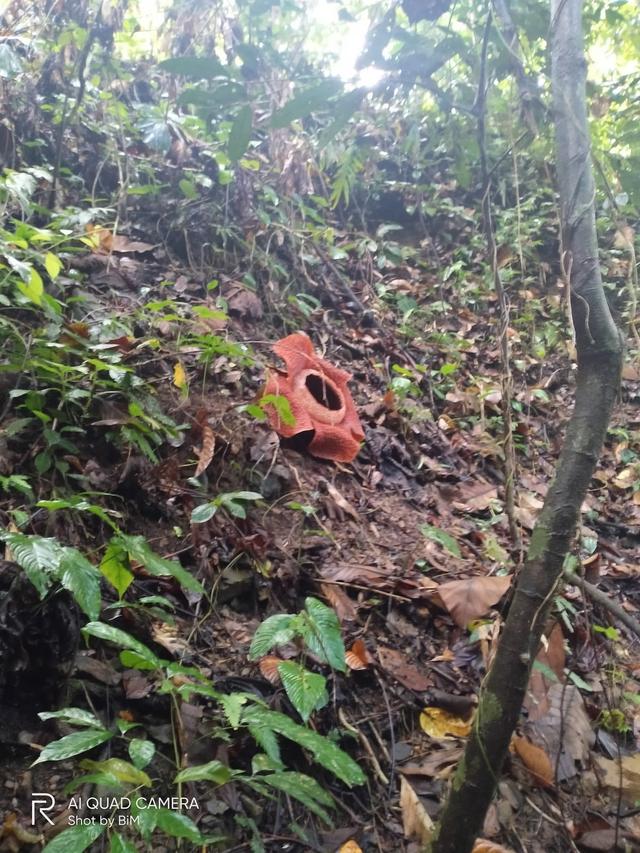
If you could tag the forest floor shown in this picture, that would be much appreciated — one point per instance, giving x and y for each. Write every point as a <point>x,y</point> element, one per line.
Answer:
<point>406,544</point>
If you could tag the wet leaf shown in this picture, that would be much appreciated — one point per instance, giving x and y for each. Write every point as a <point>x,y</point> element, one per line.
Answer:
<point>535,759</point>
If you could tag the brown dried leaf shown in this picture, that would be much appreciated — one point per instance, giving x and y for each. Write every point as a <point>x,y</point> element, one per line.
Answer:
<point>440,763</point>
<point>535,759</point>
<point>358,657</point>
<point>484,846</point>
<point>396,664</point>
<point>205,454</point>
<point>415,820</point>
<point>624,774</point>
<point>269,668</point>
<point>551,655</point>
<point>340,601</point>
<point>341,502</point>
<point>467,600</point>
<point>566,719</point>
<point>167,636</point>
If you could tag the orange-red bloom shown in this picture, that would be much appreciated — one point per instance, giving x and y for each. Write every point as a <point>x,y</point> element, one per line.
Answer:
<point>319,398</point>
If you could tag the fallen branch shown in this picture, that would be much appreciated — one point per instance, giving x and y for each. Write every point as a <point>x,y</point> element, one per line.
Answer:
<point>603,600</point>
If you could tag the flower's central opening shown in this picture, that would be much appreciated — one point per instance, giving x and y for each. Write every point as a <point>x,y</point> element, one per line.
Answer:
<point>323,392</point>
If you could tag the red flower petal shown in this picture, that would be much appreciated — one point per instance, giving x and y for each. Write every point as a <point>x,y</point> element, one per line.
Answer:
<point>319,398</point>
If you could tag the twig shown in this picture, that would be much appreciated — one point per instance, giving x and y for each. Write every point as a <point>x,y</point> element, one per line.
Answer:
<point>604,600</point>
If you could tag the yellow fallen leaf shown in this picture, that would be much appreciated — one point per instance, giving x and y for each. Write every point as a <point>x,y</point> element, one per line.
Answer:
<point>438,723</point>
<point>179,376</point>
<point>350,847</point>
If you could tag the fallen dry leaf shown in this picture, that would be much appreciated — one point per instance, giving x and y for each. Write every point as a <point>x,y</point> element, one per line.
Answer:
<point>535,759</point>
<point>439,764</point>
<point>415,820</point>
<point>205,454</point>
<point>623,774</point>
<point>438,723</point>
<point>397,665</point>
<point>167,637</point>
<point>341,502</point>
<point>269,668</point>
<point>179,376</point>
<point>552,656</point>
<point>350,847</point>
<point>358,657</point>
<point>484,846</point>
<point>345,608</point>
<point>566,719</point>
<point>467,600</point>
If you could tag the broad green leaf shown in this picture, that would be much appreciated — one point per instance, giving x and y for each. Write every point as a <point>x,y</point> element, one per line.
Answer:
<point>266,739</point>
<point>214,771</point>
<point>73,744</point>
<point>325,636</point>
<point>122,770</point>
<point>33,289</point>
<point>303,788</point>
<point>240,134</point>
<point>75,839</point>
<point>82,579</point>
<point>305,689</point>
<point>195,67</point>
<point>132,660</point>
<point>282,406</point>
<point>112,566</point>
<point>314,98</point>
<point>141,751</point>
<point>73,716</point>
<point>38,556</point>
<point>52,264</point>
<point>324,751</point>
<point>203,512</point>
<point>121,845</point>
<point>178,825</point>
<point>274,631</point>
<point>122,639</point>
<point>139,549</point>
<point>442,538</point>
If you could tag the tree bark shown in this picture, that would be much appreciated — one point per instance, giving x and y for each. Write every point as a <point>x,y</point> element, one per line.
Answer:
<point>600,350</point>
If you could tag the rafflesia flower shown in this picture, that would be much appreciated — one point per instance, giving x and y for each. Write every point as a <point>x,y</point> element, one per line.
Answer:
<point>319,398</point>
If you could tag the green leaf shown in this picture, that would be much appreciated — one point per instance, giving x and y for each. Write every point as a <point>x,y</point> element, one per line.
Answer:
<point>112,566</point>
<point>121,845</point>
<point>203,512</point>
<point>325,636</point>
<point>33,289</point>
<point>141,751</point>
<point>82,579</point>
<point>240,134</point>
<point>132,660</point>
<point>53,265</point>
<point>195,67</point>
<point>305,103</point>
<point>38,556</point>
<point>232,704</point>
<point>73,716</point>
<point>282,406</point>
<point>178,825</point>
<point>305,689</point>
<point>324,751</point>
<point>122,770</point>
<point>214,771</point>
<point>76,839</point>
<point>302,788</point>
<point>139,549</point>
<point>122,639</point>
<point>72,744</point>
<point>442,538</point>
<point>274,631</point>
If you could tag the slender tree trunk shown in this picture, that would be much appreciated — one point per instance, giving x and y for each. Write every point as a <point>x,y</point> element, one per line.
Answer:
<point>600,349</point>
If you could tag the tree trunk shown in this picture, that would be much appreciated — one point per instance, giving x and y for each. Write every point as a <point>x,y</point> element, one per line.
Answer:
<point>600,349</point>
